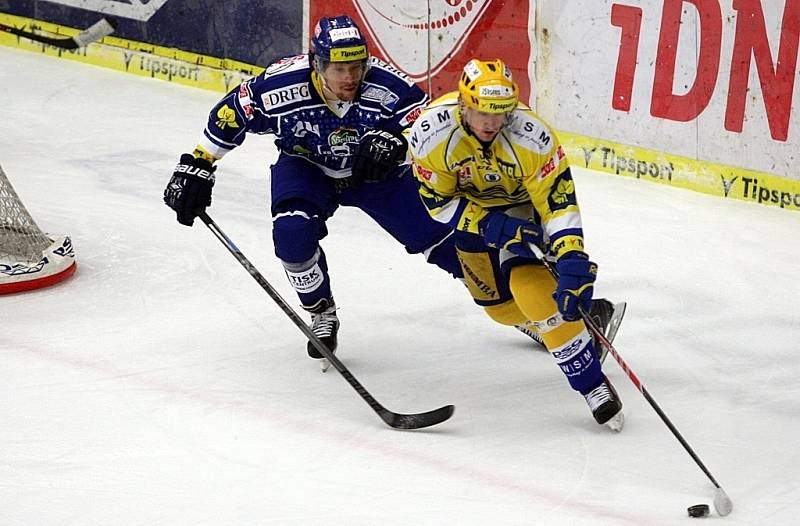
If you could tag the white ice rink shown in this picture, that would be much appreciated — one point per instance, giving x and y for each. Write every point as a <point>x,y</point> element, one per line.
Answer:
<point>161,386</point>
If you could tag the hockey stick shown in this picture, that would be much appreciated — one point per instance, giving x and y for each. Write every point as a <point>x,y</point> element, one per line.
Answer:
<point>98,30</point>
<point>395,420</point>
<point>722,503</point>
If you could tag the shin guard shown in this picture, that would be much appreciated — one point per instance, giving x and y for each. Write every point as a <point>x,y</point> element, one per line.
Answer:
<point>310,279</point>
<point>569,342</point>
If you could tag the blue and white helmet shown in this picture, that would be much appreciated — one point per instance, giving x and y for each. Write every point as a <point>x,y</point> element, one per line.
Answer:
<point>337,39</point>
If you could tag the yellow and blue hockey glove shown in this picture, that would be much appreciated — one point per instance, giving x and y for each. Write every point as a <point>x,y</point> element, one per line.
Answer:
<point>500,230</point>
<point>576,275</point>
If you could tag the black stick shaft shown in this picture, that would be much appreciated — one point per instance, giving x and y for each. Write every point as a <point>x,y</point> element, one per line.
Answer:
<point>100,29</point>
<point>397,420</point>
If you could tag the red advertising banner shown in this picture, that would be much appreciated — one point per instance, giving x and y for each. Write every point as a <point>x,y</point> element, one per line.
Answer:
<point>431,40</point>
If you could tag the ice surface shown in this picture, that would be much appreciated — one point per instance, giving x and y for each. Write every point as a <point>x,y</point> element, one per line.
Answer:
<point>161,385</point>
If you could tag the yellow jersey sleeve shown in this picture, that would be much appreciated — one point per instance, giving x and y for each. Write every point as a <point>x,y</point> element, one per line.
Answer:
<point>548,182</point>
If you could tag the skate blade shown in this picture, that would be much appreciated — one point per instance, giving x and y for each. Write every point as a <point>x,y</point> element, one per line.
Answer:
<point>324,365</point>
<point>617,422</point>
<point>616,321</point>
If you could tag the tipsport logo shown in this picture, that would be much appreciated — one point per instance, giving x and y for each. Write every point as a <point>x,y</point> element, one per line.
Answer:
<point>142,10</point>
<point>750,189</point>
<point>399,33</point>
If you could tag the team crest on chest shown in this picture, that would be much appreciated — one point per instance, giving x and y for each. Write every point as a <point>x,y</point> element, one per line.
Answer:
<point>340,140</point>
<point>508,169</point>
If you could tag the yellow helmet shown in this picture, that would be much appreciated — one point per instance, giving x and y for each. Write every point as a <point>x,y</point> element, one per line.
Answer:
<point>487,86</point>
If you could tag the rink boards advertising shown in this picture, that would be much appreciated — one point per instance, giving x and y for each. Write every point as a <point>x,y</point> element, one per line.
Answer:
<point>695,94</point>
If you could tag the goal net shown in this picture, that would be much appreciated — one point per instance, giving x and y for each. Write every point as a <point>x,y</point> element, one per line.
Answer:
<point>29,258</point>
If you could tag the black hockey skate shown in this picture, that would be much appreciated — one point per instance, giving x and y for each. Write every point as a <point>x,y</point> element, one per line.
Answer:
<point>607,317</point>
<point>325,326</point>
<point>606,406</point>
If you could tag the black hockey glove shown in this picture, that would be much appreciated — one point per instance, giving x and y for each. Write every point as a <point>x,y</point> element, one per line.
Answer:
<point>377,153</point>
<point>189,189</point>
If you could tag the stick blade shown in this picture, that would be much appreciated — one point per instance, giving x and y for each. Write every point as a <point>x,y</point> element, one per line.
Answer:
<point>722,503</point>
<point>417,420</point>
<point>101,28</point>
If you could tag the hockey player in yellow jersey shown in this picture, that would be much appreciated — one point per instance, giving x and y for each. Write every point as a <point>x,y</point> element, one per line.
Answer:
<point>493,171</point>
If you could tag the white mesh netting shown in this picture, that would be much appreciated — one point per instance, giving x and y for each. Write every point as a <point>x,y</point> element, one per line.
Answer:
<point>20,238</point>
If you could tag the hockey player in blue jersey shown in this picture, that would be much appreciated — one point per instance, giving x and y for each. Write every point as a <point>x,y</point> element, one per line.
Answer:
<point>337,115</point>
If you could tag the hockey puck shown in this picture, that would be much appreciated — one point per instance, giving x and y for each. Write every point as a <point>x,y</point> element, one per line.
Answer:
<point>698,510</point>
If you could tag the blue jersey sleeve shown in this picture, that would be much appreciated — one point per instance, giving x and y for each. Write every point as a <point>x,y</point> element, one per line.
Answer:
<point>250,107</point>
